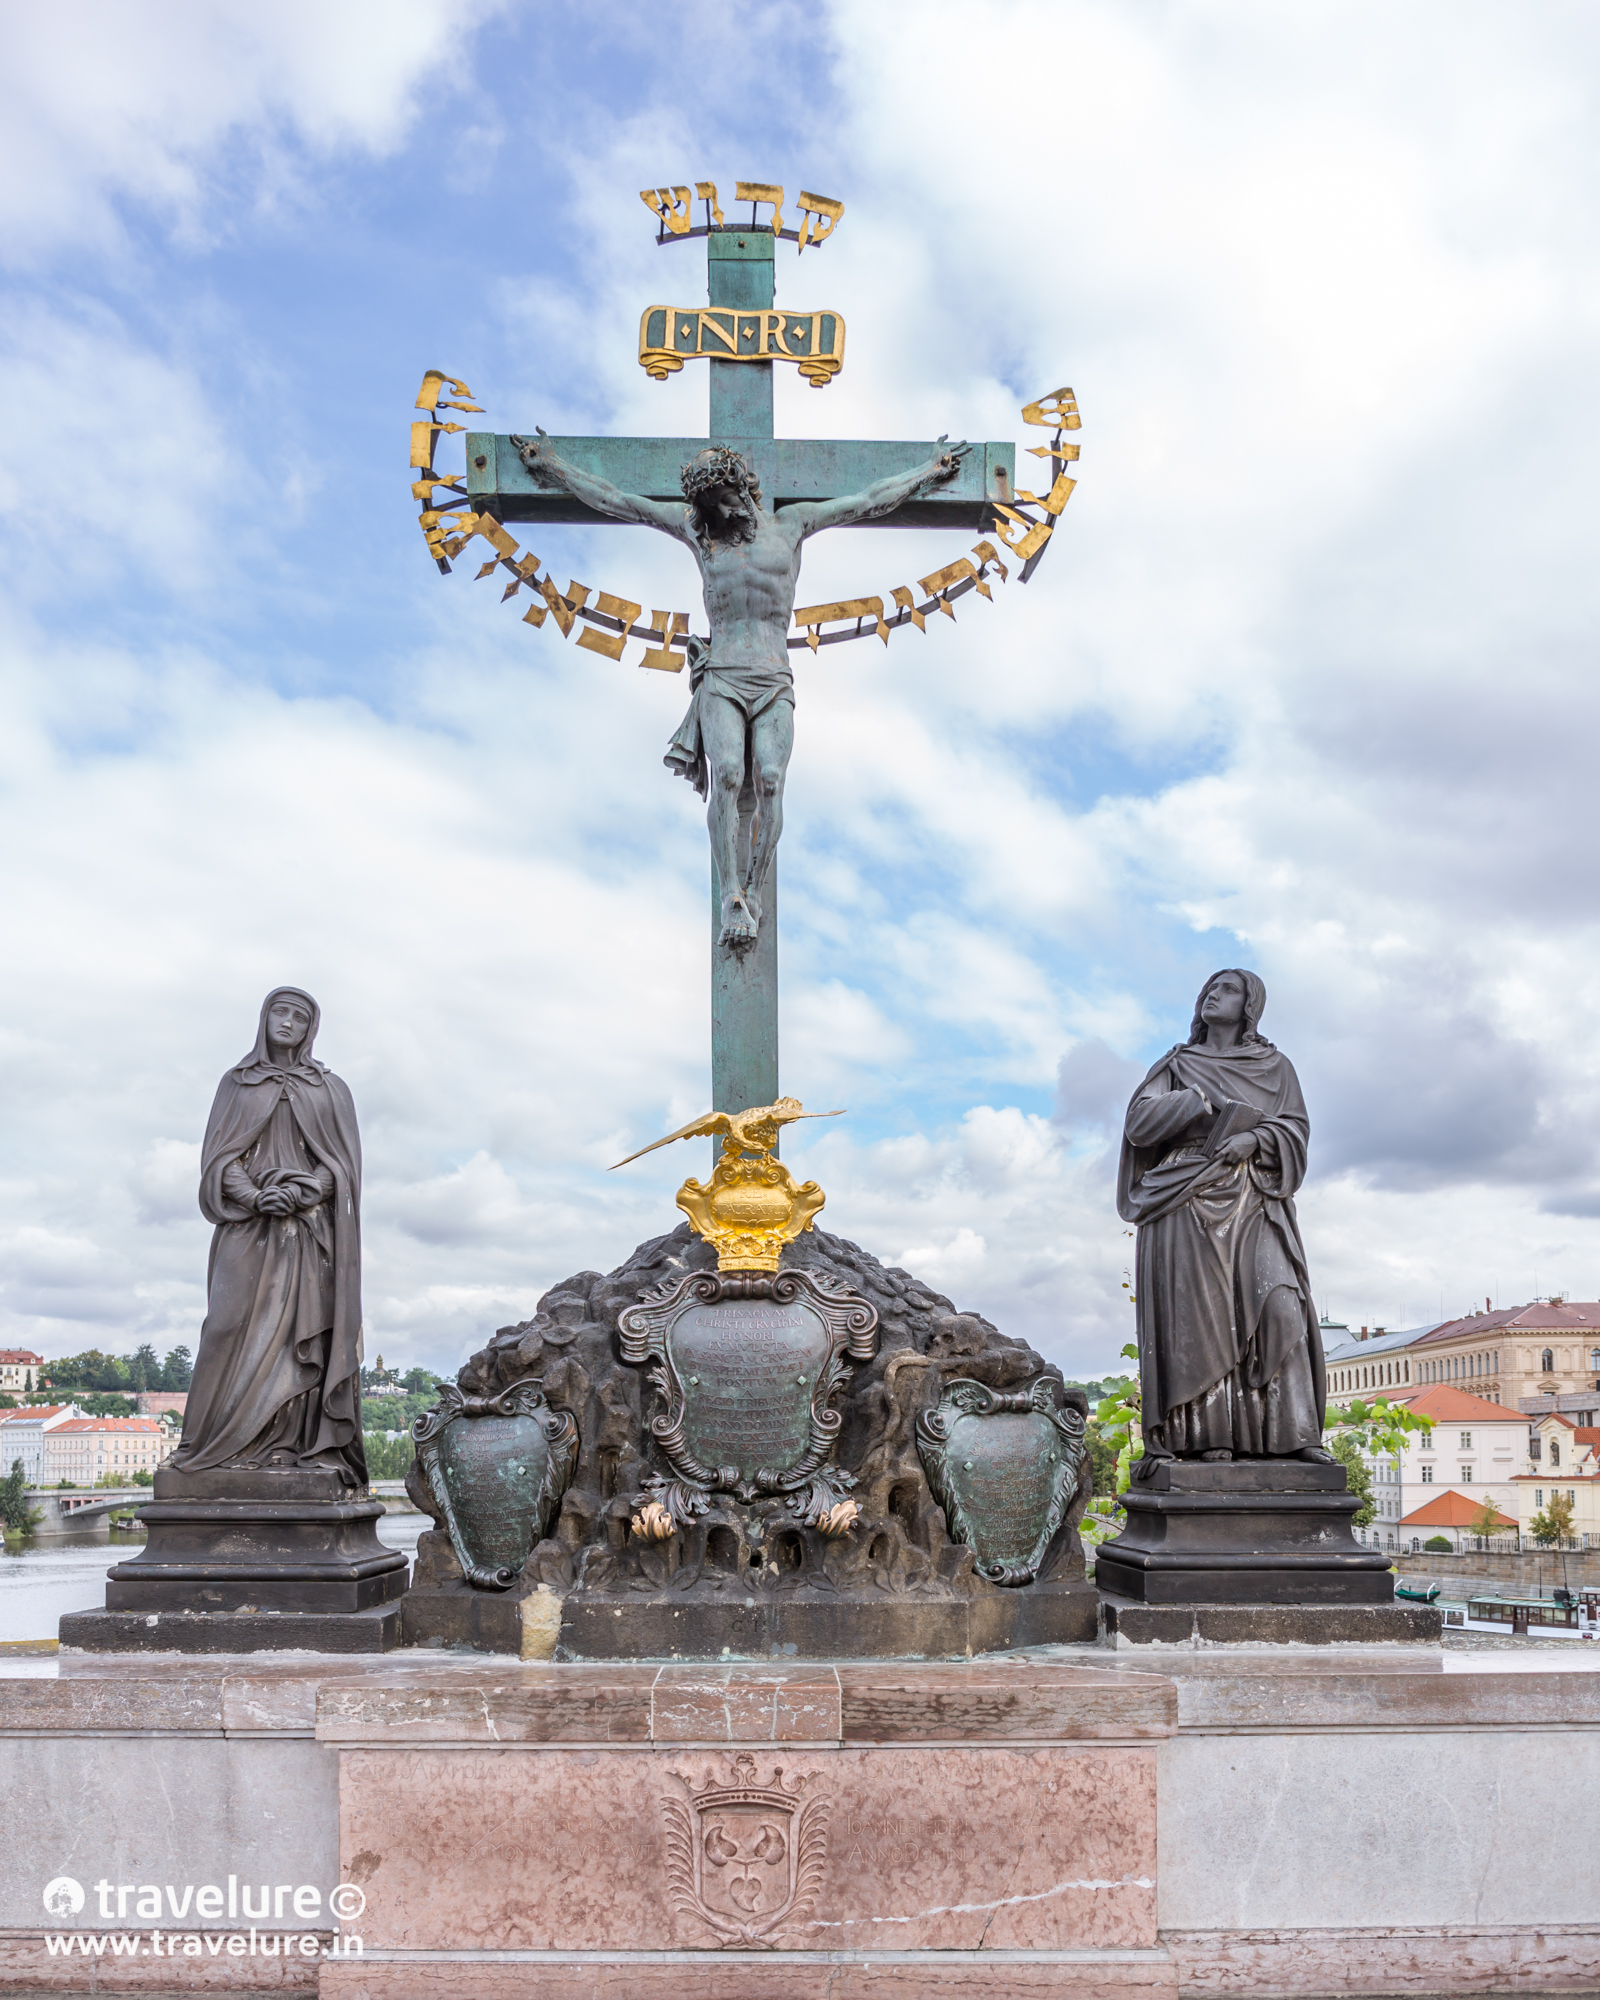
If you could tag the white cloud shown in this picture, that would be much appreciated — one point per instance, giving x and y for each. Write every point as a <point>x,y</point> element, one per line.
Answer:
<point>1304,682</point>
<point>143,102</point>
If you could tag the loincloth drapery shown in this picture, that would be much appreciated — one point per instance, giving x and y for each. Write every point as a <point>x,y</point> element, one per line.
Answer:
<point>752,690</point>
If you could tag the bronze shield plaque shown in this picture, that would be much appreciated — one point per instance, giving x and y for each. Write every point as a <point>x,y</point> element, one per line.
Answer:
<point>745,1365</point>
<point>749,1370</point>
<point>497,1466</point>
<point>1005,1469</point>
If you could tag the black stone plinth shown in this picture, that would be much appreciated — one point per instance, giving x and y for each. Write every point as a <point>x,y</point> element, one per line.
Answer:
<point>1251,1531</point>
<point>294,1542</point>
<point>794,1627</point>
<point>374,1631</point>
<point>1129,1624</point>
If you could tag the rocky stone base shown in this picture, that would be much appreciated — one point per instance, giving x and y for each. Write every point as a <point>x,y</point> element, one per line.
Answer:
<point>443,1610</point>
<point>753,1580</point>
<point>852,1627</point>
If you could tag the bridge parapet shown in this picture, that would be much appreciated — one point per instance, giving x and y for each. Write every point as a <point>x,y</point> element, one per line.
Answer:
<point>62,1509</point>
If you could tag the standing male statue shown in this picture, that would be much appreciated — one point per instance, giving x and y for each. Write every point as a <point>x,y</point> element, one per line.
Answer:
<point>277,1381</point>
<point>1214,1146</point>
<point>740,726</point>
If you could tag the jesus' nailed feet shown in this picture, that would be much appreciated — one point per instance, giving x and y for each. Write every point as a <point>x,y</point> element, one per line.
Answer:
<point>741,918</point>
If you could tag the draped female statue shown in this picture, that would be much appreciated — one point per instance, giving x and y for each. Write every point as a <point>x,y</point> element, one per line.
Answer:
<point>1214,1146</point>
<point>277,1379</point>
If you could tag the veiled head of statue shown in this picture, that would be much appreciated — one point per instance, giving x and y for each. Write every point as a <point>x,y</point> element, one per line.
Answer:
<point>1228,996</point>
<point>290,1019</point>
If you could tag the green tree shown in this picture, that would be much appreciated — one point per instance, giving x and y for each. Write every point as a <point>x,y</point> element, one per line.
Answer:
<point>1438,1545</point>
<point>1118,1415</point>
<point>1555,1523</point>
<point>144,1368</point>
<point>177,1371</point>
<point>1486,1521</point>
<point>100,1403</point>
<point>388,1458</point>
<point>89,1370</point>
<point>420,1382</point>
<point>1115,1424</point>
<point>16,1516</point>
<point>1102,1458</point>
<point>1358,1476</point>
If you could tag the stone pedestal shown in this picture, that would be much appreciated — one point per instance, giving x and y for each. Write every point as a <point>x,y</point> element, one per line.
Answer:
<point>1127,1624</point>
<point>750,1833</point>
<point>1250,1532</point>
<point>241,1561</point>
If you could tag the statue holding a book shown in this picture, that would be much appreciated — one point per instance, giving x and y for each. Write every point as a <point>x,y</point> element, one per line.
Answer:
<point>1213,1149</point>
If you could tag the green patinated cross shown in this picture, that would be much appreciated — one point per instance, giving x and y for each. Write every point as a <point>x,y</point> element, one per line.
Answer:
<point>740,275</point>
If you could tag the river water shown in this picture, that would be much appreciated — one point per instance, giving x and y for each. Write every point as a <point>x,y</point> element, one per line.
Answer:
<point>55,1573</point>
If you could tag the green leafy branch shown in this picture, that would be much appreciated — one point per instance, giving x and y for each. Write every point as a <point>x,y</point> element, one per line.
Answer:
<point>1380,1428</point>
<point>1116,1421</point>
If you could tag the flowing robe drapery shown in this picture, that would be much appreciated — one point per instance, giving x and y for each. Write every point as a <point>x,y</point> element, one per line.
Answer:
<point>1229,1352</point>
<point>277,1378</point>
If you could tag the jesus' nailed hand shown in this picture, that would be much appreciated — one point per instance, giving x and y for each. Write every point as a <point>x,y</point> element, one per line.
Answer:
<point>739,730</point>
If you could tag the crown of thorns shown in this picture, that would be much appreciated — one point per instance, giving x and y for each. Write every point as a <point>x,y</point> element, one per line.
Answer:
<point>718,467</point>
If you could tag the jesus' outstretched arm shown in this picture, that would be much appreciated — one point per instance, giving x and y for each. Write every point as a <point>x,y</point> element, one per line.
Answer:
<point>882,497</point>
<point>671,517</point>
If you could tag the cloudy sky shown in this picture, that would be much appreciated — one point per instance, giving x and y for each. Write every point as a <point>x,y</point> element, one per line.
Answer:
<point>1306,684</point>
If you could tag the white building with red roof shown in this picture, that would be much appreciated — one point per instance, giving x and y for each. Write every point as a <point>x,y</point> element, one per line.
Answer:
<point>1476,1449</point>
<point>22,1434</point>
<point>19,1371</point>
<point>1455,1517</point>
<point>85,1450</point>
<point>1564,1458</point>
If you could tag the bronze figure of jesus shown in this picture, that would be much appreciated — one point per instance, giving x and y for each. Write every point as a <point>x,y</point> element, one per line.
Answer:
<point>739,730</point>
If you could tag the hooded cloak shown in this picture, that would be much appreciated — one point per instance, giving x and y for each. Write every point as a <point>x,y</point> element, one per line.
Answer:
<point>277,1378</point>
<point>1228,1337</point>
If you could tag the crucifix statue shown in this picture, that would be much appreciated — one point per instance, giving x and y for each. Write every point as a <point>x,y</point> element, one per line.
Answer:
<point>743,501</point>
<point>735,741</point>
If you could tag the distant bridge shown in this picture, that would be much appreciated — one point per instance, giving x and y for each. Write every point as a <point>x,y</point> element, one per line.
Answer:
<point>63,1509</point>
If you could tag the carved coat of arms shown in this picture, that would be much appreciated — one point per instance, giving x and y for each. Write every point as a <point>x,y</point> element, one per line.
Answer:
<point>746,1858</point>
